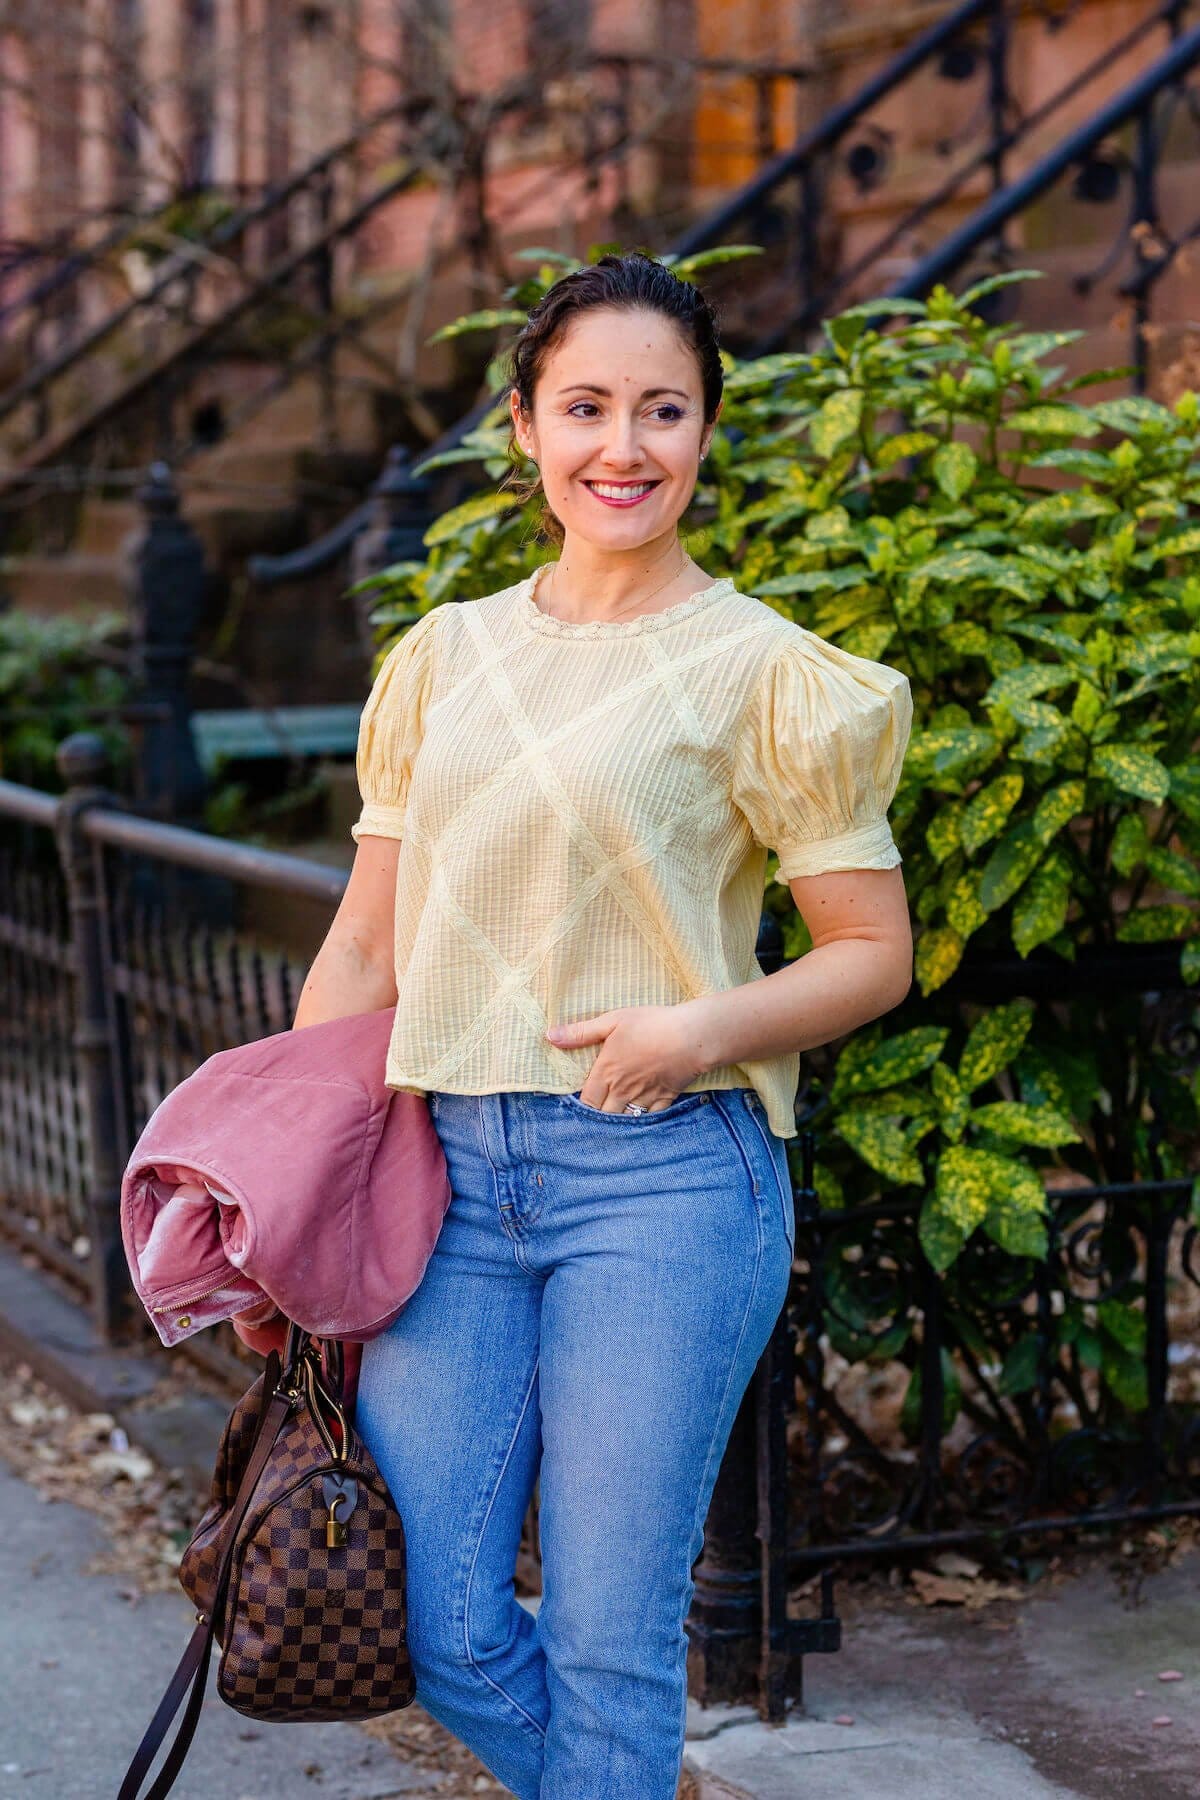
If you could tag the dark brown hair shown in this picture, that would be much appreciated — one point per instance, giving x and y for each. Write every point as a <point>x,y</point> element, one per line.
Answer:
<point>630,280</point>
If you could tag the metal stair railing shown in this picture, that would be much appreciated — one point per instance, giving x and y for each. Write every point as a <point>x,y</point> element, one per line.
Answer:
<point>1153,250</point>
<point>803,163</point>
<point>822,287</point>
<point>191,260</point>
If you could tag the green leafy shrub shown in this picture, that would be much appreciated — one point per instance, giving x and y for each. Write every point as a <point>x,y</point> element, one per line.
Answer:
<point>933,492</point>
<point>54,675</point>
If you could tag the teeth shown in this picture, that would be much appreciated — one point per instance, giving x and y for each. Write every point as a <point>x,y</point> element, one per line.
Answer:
<point>612,492</point>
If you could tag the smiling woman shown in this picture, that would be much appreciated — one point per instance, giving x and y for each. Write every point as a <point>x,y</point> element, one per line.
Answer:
<point>615,404</point>
<point>569,789</point>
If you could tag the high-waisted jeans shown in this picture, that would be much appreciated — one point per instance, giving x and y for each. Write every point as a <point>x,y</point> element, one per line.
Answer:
<point>601,1289</point>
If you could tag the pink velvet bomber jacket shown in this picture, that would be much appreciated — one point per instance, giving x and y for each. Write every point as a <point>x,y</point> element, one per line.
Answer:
<point>284,1180</point>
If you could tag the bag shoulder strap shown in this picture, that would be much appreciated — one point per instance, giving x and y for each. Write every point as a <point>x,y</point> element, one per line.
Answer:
<point>193,1664</point>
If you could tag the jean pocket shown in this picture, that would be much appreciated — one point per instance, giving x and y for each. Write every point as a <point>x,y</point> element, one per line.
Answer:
<point>682,1103</point>
<point>775,1149</point>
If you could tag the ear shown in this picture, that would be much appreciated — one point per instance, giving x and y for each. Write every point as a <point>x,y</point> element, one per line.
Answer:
<point>706,443</point>
<point>520,423</point>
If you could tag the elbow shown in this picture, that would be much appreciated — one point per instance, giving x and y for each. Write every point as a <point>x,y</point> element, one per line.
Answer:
<point>895,978</point>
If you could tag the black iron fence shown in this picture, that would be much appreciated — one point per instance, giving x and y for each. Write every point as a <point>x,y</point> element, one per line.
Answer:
<point>896,1409</point>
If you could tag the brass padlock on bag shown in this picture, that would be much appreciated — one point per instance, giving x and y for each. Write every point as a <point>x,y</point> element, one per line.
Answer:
<point>339,1492</point>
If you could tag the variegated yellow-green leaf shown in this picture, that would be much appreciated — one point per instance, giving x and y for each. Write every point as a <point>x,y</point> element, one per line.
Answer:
<point>1053,421</point>
<point>765,370</point>
<point>963,910</point>
<point>963,1191</point>
<point>1171,870</point>
<point>815,581</point>
<point>1180,543</point>
<point>831,1196</point>
<point>869,639</point>
<point>1133,770</point>
<point>894,1060</point>
<point>905,443</point>
<point>1006,1182</point>
<point>882,1144</point>
<point>837,420</point>
<point>986,813</point>
<point>1025,682</point>
<point>472,512</point>
<point>962,566</point>
<point>1157,924</point>
<point>906,1101</point>
<point>1056,808</point>
<point>1019,1233</point>
<point>941,834</point>
<point>1130,843</point>
<point>1061,510</point>
<point>993,1041</point>
<point>486,320</point>
<point>1185,789</point>
<point>938,953</point>
<point>1189,961</point>
<point>940,752</point>
<point>954,467</point>
<point>967,637</point>
<point>953,1102</point>
<point>1042,1125</point>
<point>1087,706</point>
<point>941,1238</point>
<point>1010,865</point>
<point>1036,715</point>
<point>831,527</point>
<point>1133,413</point>
<point>1040,910</point>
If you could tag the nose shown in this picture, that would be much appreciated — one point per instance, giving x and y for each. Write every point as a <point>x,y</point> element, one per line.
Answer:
<point>622,450</point>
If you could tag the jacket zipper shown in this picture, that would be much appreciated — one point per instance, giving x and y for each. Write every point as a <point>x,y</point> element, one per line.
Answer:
<point>178,1305</point>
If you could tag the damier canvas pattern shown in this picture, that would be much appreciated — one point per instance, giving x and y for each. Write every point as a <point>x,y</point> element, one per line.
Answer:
<point>308,1632</point>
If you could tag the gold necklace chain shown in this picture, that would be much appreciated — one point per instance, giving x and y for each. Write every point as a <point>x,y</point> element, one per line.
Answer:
<point>642,598</point>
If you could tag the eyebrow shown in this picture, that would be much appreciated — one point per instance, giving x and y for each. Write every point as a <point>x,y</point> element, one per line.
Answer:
<point>589,387</point>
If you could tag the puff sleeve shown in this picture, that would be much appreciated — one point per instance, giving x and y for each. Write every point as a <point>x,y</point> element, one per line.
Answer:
<point>818,756</point>
<point>389,729</point>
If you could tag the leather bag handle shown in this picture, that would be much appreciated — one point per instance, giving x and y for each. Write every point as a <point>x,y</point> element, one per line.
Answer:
<point>193,1664</point>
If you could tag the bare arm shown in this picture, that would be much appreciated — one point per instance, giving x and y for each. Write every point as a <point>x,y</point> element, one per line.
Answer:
<point>859,967</point>
<point>354,970</point>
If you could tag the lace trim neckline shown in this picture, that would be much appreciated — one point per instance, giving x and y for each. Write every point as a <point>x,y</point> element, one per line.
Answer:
<point>537,620</point>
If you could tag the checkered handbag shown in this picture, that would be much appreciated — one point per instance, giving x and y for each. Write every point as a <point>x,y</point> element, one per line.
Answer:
<point>297,1567</point>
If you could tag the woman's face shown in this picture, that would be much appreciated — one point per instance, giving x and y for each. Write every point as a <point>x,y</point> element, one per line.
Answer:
<point>618,427</point>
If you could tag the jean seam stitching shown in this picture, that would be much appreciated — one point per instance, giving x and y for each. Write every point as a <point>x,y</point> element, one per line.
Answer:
<point>786,1201</point>
<point>470,1655</point>
<point>749,1307</point>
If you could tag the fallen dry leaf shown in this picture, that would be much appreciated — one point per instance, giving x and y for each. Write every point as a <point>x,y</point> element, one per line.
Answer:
<point>956,1590</point>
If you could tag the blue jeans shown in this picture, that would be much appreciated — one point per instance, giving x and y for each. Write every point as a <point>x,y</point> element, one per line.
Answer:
<point>601,1289</point>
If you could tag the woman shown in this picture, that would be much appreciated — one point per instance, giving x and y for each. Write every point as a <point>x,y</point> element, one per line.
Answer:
<point>569,788</point>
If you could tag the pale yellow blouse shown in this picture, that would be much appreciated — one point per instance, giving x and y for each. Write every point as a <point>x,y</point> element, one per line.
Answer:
<point>585,812</point>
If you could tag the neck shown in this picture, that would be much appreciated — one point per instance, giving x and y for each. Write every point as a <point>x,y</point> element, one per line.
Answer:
<point>591,584</point>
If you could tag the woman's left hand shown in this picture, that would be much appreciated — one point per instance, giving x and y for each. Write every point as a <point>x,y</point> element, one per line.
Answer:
<point>649,1055</point>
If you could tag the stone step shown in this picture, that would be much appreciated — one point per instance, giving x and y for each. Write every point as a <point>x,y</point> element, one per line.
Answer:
<point>228,529</point>
<point>76,583</point>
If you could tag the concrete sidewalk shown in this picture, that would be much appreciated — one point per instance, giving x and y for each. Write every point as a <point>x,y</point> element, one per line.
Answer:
<point>81,1672</point>
<point>1050,1697</point>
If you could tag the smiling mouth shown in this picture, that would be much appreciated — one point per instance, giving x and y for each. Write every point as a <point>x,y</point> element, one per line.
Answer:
<point>621,493</point>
